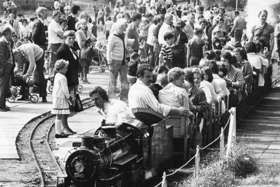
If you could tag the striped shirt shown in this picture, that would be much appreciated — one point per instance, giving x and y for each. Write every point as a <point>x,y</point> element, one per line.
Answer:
<point>236,77</point>
<point>141,96</point>
<point>166,52</point>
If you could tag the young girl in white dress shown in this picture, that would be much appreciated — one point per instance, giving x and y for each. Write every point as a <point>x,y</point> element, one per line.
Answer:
<point>61,98</point>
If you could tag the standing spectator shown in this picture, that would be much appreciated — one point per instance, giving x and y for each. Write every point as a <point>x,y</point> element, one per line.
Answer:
<point>72,18</point>
<point>238,25</point>
<point>180,43</point>
<point>56,5</point>
<point>25,29</point>
<point>165,28</point>
<point>150,43</point>
<point>132,33</point>
<point>14,23</point>
<point>61,99</point>
<point>159,20</point>
<point>67,53</point>
<point>108,26</point>
<point>263,31</point>
<point>6,64</point>
<point>9,7</point>
<point>116,59</point>
<point>55,36</point>
<point>196,49</point>
<point>33,54</point>
<point>39,31</point>
<point>189,28</point>
<point>132,68</point>
<point>94,29</point>
<point>166,56</point>
<point>85,40</point>
<point>16,41</point>
<point>101,19</point>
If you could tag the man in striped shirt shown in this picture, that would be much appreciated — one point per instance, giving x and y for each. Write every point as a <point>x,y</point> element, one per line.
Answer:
<point>144,104</point>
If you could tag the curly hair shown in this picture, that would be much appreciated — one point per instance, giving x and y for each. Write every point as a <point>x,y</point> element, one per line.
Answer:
<point>174,74</point>
<point>103,94</point>
<point>60,64</point>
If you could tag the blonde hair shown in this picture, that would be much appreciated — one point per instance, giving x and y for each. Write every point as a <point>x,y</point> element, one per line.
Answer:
<point>60,64</point>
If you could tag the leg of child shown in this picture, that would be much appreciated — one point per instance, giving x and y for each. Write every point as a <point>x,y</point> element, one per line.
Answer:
<point>65,125</point>
<point>58,124</point>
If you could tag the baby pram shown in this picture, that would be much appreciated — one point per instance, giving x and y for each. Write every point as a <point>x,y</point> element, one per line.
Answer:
<point>18,85</point>
<point>99,61</point>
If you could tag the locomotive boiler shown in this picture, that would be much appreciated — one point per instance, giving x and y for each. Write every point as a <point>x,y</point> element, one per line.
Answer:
<point>119,156</point>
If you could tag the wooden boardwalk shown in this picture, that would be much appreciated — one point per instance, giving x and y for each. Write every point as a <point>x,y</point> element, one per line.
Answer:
<point>261,128</point>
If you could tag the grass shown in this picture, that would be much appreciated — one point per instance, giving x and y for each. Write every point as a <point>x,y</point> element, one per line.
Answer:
<point>241,169</point>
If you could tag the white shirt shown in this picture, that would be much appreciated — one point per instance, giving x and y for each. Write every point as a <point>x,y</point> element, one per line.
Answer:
<point>60,88</point>
<point>254,60</point>
<point>117,112</point>
<point>150,35</point>
<point>221,82</point>
<point>53,30</point>
<point>163,29</point>
<point>108,25</point>
<point>141,96</point>
<point>173,95</point>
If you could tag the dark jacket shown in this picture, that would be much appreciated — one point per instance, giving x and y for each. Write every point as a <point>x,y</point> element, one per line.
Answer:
<point>198,99</point>
<point>39,34</point>
<point>73,68</point>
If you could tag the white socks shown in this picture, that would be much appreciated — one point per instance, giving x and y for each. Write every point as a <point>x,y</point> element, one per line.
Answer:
<point>58,126</point>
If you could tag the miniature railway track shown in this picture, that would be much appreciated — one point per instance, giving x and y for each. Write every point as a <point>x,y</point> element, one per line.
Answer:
<point>38,135</point>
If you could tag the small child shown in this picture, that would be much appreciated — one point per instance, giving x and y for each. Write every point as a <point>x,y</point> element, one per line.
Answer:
<point>142,49</point>
<point>166,55</point>
<point>216,42</point>
<point>132,68</point>
<point>61,99</point>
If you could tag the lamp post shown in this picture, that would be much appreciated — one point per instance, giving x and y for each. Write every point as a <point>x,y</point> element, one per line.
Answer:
<point>236,5</point>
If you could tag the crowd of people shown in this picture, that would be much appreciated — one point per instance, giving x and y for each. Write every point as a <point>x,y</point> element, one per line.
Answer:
<point>170,59</point>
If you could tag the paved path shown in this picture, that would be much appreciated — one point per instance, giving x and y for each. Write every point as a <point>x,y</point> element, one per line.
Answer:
<point>22,111</point>
<point>261,128</point>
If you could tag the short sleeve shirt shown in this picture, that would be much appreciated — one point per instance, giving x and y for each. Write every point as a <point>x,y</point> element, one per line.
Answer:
<point>263,33</point>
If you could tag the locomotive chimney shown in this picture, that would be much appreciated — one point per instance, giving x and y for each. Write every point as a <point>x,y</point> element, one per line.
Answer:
<point>87,142</point>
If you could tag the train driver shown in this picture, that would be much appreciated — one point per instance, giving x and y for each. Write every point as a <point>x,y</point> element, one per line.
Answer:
<point>144,104</point>
<point>114,111</point>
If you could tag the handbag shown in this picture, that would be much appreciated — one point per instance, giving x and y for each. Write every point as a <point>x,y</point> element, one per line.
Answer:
<point>78,106</point>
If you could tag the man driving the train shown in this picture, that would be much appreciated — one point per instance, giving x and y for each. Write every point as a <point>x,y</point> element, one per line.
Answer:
<point>144,104</point>
<point>114,111</point>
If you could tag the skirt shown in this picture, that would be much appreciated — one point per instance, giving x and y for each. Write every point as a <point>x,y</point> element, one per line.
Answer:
<point>60,106</point>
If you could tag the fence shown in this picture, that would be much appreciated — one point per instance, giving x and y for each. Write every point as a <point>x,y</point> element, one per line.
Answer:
<point>231,140</point>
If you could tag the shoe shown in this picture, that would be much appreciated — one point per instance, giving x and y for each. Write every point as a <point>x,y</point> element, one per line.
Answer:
<point>44,99</point>
<point>7,108</point>
<point>3,110</point>
<point>61,135</point>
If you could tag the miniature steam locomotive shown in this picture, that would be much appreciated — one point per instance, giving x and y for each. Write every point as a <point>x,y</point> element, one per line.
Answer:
<point>120,156</point>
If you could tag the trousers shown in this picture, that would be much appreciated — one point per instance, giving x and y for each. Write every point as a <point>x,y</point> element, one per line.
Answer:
<point>115,69</point>
<point>4,85</point>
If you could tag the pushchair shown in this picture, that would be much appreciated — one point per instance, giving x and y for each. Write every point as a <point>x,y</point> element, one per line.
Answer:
<point>17,86</point>
<point>99,61</point>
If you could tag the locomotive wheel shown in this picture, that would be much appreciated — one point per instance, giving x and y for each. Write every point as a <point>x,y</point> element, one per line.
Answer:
<point>34,98</point>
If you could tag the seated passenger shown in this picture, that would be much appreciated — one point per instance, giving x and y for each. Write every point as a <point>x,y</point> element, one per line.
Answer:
<point>220,81</point>
<point>174,94</point>
<point>196,95</point>
<point>114,111</point>
<point>208,89</point>
<point>159,84</point>
<point>243,64</point>
<point>144,104</point>
<point>234,76</point>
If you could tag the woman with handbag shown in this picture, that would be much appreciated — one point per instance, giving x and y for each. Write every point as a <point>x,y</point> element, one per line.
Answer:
<point>66,52</point>
<point>85,40</point>
<point>61,100</point>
